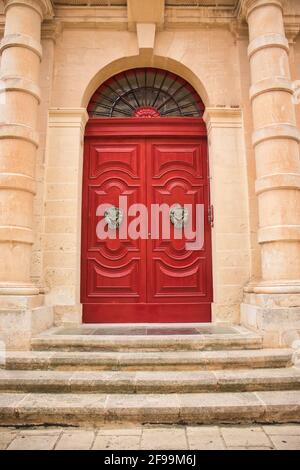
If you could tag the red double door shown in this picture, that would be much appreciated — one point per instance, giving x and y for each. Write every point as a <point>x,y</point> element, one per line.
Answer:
<point>152,278</point>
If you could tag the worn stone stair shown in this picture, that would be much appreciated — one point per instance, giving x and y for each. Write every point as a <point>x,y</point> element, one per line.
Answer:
<point>90,379</point>
<point>145,360</point>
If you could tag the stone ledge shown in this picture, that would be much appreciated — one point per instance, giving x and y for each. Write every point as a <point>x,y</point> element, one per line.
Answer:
<point>19,131</point>
<point>21,40</point>
<point>80,409</point>
<point>269,85</point>
<point>20,84</point>
<point>17,182</point>
<point>16,234</point>
<point>276,131</point>
<point>241,380</point>
<point>267,40</point>
<point>277,181</point>
<point>289,233</point>
<point>82,361</point>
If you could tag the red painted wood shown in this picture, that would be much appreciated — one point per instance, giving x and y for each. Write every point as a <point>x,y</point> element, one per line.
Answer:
<point>147,313</point>
<point>144,280</point>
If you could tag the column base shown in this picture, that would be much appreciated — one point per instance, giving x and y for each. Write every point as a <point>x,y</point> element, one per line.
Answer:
<point>272,315</point>
<point>21,317</point>
<point>12,288</point>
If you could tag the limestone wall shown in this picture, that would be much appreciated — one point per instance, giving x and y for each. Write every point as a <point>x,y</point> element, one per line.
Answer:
<point>83,59</point>
<point>80,51</point>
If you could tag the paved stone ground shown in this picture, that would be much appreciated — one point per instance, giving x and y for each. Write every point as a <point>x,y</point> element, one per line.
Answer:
<point>280,437</point>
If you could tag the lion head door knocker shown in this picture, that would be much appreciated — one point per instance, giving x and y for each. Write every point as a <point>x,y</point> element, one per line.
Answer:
<point>178,215</point>
<point>113,217</point>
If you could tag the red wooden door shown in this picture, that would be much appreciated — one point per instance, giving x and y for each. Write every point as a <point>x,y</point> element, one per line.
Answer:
<point>156,279</point>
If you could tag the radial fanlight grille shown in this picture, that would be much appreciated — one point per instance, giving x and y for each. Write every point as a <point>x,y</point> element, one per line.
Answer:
<point>146,93</point>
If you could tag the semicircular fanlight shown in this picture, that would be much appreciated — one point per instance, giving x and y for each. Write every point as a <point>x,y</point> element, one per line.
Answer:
<point>145,92</point>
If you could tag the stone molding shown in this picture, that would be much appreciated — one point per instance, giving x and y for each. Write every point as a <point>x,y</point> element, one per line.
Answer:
<point>17,181</point>
<point>152,12</point>
<point>21,40</point>
<point>267,40</point>
<point>223,117</point>
<point>277,181</point>
<point>19,131</point>
<point>269,85</point>
<point>246,7</point>
<point>276,287</point>
<point>43,7</point>
<point>68,117</point>
<point>146,37</point>
<point>15,83</point>
<point>12,289</point>
<point>279,233</point>
<point>276,131</point>
<point>16,234</point>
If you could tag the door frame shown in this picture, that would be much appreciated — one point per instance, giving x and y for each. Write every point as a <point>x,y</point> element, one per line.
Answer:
<point>144,127</point>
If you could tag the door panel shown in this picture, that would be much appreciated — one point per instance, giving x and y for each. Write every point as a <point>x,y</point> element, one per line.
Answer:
<point>178,174</point>
<point>153,280</point>
<point>112,268</point>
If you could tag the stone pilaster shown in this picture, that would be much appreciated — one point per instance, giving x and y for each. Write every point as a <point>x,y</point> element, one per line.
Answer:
<point>276,145</point>
<point>21,310</point>
<point>20,96</point>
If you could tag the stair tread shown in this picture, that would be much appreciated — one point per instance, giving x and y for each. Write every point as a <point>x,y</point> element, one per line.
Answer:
<point>240,374</point>
<point>190,355</point>
<point>192,407</point>
<point>55,339</point>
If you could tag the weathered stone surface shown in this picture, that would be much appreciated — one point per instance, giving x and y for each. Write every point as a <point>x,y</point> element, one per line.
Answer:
<point>286,430</point>
<point>31,442</point>
<point>281,406</point>
<point>185,360</point>
<point>204,438</point>
<point>149,382</point>
<point>285,442</point>
<point>143,343</point>
<point>120,442</point>
<point>164,438</point>
<point>75,440</point>
<point>245,437</point>
<point>205,408</point>
<point>6,438</point>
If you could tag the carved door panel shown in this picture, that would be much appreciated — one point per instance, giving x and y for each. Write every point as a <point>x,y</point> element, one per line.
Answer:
<point>113,270</point>
<point>178,176</point>
<point>145,280</point>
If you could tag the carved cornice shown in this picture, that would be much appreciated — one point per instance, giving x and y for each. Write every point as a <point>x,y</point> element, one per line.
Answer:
<point>245,7</point>
<point>51,30</point>
<point>43,7</point>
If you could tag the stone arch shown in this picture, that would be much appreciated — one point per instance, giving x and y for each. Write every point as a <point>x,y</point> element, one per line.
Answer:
<point>125,63</point>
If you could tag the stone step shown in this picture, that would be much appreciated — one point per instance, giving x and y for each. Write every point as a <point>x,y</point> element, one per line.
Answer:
<point>185,360</point>
<point>193,408</point>
<point>150,382</point>
<point>143,343</point>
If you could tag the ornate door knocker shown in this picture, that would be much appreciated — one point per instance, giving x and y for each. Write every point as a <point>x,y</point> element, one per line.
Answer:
<point>113,217</point>
<point>178,215</point>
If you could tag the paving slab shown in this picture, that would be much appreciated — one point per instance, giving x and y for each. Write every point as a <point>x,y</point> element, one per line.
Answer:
<point>285,442</point>
<point>75,440</point>
<point>204,438</point>
<point>38,442</point>
<point>116,442</point>
<point>245,436</point>
<point>164,439</point>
